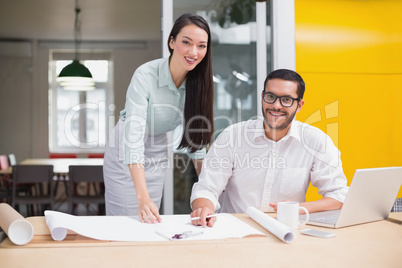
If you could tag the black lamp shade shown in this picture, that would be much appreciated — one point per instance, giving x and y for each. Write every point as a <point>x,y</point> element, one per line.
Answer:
<point>75,69</point>
<point>77,77</point>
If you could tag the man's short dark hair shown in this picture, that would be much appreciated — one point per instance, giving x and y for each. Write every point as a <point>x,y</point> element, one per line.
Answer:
<point>288,75</point>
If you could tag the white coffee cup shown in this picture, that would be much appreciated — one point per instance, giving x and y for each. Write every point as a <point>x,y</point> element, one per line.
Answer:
<point>288,214</point>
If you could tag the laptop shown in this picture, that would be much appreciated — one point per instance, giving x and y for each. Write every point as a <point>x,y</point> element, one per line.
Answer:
<point>371,196</point>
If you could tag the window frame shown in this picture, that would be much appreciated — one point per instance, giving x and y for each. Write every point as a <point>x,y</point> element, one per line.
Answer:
<point>82,148</point>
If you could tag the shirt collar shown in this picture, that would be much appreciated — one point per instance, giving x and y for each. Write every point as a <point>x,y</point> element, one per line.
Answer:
<point>258,125</point>
<point>165,77</point>
<point>294,130</point>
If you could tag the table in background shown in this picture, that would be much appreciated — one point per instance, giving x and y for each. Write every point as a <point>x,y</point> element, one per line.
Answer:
<point>60,165</point>
<point>60,170</point>
<point>376,244</point>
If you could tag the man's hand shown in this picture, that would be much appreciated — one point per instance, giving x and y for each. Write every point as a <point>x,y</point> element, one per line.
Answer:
<point>275,205</point>
<point>203,213</point>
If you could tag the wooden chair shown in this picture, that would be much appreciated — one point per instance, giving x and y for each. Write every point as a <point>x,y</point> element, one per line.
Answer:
<point>32,185</point>
<point>80,178</point>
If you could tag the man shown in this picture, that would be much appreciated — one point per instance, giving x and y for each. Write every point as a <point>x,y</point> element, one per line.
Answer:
<point>261,162</point>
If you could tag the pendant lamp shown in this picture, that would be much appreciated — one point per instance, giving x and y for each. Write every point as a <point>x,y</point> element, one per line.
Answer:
<point>76,76</point>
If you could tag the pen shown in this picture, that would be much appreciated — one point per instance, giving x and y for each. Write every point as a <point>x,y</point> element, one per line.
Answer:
<point>186,234</point>
<point>207,217</point>
<point>163,235</point>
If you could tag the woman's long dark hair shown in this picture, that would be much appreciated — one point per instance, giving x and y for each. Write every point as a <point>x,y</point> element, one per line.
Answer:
<point>198,107</point>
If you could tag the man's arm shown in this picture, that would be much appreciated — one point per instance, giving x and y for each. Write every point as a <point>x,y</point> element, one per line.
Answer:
<point>212,181</point>
<point>326,203</point>
<point>328,176</point>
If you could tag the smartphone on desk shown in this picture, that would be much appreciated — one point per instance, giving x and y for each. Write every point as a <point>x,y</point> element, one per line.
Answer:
<point>316,233</point>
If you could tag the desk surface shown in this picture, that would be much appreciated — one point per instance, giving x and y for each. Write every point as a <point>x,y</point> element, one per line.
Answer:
<point>376,244</point>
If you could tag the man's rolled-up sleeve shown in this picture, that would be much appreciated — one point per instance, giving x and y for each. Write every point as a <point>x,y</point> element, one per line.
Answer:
<point>327,173</point>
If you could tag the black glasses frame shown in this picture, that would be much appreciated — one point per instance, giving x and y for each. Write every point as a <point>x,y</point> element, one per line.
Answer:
<point>280,98</point>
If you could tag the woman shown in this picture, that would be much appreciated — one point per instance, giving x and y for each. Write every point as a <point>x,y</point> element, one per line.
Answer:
<point>163,94</point>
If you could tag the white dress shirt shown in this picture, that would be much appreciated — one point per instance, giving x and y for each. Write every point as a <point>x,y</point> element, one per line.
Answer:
<point>244,168</point>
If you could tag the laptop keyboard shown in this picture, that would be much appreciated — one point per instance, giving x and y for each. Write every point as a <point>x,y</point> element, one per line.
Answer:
<point>329,217</point>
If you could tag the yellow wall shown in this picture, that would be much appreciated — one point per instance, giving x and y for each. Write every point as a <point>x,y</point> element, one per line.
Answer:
<point>349,53</point>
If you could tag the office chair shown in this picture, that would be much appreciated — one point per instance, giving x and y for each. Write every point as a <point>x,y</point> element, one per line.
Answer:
<point>5,189</point>
<point>32,185</point>
<point>80,178</point>
<point>60,178</point>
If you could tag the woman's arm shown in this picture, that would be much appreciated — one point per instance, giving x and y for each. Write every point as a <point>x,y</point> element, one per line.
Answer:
<point>147,210</point>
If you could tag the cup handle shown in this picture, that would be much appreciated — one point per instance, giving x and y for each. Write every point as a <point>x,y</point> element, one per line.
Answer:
<point>307,216</point>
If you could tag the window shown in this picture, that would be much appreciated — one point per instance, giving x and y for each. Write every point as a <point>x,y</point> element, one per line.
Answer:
<point>238,75</point>
<point>78,120</point>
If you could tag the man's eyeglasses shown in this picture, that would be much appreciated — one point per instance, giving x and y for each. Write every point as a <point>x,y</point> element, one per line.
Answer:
<point>270,98</point>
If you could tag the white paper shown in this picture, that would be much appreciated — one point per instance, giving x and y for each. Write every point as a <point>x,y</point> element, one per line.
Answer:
<point>277,228</point>
<point>129,228</point>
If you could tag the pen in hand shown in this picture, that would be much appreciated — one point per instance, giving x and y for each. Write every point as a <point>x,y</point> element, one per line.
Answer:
<point>207,217</point>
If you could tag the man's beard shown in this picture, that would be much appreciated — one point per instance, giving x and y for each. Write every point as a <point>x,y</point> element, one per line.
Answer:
<point>281,126</point>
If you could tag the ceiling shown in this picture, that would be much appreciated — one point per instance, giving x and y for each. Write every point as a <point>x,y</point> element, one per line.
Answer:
<point>100,19</point>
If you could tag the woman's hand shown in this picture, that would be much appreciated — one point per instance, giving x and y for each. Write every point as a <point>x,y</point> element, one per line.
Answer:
<point>148,211</point>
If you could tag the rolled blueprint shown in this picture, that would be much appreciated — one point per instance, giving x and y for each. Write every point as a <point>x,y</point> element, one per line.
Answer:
<point>277,228</point>
<point>18,229</point>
